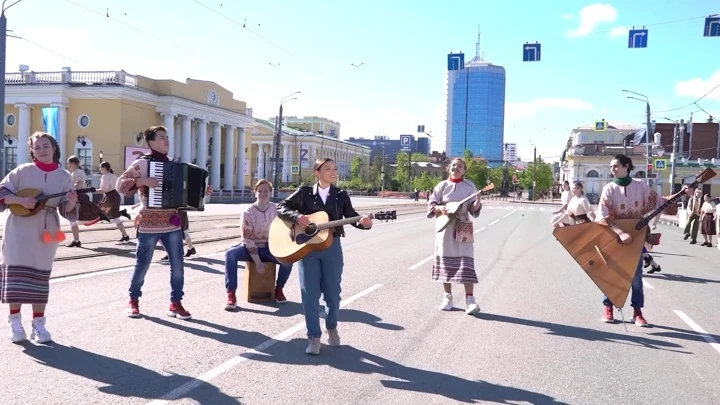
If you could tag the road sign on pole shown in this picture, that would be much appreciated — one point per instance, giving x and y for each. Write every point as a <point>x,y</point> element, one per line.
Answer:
<point>456,61</point>
<point>660,164</point>
<point>712,26</point>
<point>638,38</point>
<point>531,52</point>
<point>600,125</point>
<point>405,142</point>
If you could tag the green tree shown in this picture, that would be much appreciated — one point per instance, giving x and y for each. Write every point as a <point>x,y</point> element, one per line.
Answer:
<point>496,176</point>
<point>357,169</point>
<point>375,172</point>
<point>543,176</point>
<point>426,182</point>
<point>477,170</point>
<point>401,171</point>
<point>419,157</point>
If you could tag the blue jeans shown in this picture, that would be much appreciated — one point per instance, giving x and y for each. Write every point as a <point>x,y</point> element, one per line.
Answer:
<point>637,297</point>
<point>239,253</point>
<point>321,272</point>
<point>173,244</point>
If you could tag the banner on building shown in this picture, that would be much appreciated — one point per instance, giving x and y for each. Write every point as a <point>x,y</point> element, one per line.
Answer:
<point>132,153</point>
<point>50,121</point>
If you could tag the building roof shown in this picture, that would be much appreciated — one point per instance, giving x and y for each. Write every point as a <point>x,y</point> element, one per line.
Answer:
<point>294,132</point>
<point>616,125</point>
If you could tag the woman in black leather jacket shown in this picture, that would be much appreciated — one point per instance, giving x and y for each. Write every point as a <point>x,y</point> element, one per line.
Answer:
<point>321,271</point>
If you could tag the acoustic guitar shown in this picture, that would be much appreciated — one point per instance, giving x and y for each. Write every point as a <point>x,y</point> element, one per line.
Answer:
<point>289,242</point>
<point>453,208</point>
<point>21,211</point>
<point>609,263</point>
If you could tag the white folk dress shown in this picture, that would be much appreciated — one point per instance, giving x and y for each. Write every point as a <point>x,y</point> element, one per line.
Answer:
<point>25,259</point>
<point>454,261</point>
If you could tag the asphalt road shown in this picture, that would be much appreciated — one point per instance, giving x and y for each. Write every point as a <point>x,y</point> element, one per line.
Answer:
<point>538,339</point>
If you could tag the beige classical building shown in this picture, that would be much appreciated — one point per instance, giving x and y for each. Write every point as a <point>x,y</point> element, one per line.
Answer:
<point>99,116</point>
<point>298,152</point>
<point>588,154</point>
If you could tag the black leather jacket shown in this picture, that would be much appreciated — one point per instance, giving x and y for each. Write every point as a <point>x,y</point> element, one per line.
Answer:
<point>306,200</point>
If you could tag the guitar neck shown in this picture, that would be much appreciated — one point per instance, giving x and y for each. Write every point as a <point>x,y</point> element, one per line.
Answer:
<point>677,196</point>
<point>338,222</point>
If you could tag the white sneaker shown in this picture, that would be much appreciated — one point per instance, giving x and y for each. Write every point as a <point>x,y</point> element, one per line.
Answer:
<point>313,346</point>
<point>471,307</point>
<point>447,303</point>
<point>39,333</point>
<point>17,332</point>
<point>333,337</point>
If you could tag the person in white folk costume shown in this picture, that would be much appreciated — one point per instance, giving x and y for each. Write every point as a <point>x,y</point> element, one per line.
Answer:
<point>454,246</point>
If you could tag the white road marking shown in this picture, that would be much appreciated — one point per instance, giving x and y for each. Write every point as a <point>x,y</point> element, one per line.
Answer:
<point>494,222</point>
<point>421,262</point>
<point>509,213</point>
<point>646,284</point>
<point>480,229</point>
<point>714,343</point>
<point>247,355</point>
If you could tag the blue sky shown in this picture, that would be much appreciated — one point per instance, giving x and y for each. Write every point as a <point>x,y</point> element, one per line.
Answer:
<point>402,46</point>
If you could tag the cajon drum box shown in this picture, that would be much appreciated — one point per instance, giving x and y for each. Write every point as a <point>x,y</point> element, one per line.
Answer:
<point>259,287</point>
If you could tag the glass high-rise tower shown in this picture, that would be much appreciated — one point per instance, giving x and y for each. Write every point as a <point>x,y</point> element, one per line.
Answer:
<point>475,108</point>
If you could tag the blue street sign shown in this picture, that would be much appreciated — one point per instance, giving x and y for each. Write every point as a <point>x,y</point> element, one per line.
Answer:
<point>531,52</point>
<point>660,164</point>
<point>405,141</point>
<point>456,61</point>
<point>712,27</point>
<point>600,125</point>
<point>638,39</point>
<point>421,129</point>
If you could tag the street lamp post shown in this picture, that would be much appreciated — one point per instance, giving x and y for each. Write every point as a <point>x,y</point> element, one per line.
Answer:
<point>277,142</point>
<point>649,129</point>
<point>3,48</point>
<point>673,155</point>
<point>534,168</point>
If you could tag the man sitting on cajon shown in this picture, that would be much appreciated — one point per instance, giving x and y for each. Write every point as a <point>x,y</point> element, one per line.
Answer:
<point>255,223</point>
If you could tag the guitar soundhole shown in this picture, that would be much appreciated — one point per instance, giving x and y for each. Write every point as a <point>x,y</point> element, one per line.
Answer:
<point>310,229</point>
<point>591,262</point>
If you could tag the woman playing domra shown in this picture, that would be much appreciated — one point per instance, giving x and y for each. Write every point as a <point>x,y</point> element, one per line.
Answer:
<point>454,258</point>
<point>29,243</point>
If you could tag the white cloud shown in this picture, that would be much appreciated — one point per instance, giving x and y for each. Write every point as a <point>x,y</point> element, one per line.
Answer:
<point>567,16</point>
<point>618,32</point>
<point>527,110</point>
<point>592,16</point>
<point>697,87</point>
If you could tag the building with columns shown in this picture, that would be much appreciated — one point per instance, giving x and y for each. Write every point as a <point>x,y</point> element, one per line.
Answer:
<point>298,152</point>
<point>99,116</point>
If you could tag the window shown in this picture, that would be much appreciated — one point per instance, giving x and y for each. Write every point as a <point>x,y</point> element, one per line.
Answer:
<point>85,156</point>
<point>10,156</point>
<point>10,120</point>
<point>83,121</point>
<point>592,173</point>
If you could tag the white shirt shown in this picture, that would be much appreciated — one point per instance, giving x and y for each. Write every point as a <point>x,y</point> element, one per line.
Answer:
<point>565,197</point>
<point>323,192</point>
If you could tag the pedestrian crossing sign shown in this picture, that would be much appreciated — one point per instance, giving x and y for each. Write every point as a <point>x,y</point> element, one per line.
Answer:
<point>600,125</point>
<point>660,164</point>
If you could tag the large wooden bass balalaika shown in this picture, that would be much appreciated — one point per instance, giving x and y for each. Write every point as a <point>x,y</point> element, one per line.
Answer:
<point>610,264</point>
